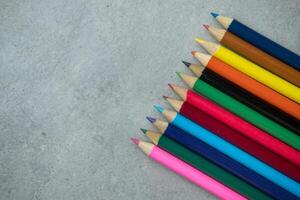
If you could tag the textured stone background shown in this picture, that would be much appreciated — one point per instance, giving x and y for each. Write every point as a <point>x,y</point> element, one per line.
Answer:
<point>77,79</point>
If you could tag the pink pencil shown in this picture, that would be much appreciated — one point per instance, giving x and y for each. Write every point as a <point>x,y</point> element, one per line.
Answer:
<point>187,171</point>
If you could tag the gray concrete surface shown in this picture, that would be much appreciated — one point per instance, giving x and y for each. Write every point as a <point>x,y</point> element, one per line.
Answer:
<point>77,79</point>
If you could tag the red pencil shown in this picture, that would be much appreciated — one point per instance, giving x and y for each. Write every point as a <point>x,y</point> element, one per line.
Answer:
<point>238,124</point>
<point>236,138</point>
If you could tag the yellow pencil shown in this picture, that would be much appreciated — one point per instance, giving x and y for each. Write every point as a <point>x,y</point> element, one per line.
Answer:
<point>247,67</point>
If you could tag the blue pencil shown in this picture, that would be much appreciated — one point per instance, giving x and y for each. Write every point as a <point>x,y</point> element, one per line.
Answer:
<point>221,160</point>
<point>231,150</point>
<point>258,40</point>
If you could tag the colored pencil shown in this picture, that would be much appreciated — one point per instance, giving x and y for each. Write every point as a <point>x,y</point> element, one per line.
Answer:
<point>205,165</point>
<point>185,170</point>
<point>235,138</point>
<point>256,55</point>
<point>247,83</point>
<point>249,99</point>
<point>242,110</point>
<point>258,40</point>
<point>251,69</point>
<point>220,159</point>
<point>238,123</point>
<point>230,150</point>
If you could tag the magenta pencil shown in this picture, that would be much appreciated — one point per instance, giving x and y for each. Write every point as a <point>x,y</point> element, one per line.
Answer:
<point>183,169</point>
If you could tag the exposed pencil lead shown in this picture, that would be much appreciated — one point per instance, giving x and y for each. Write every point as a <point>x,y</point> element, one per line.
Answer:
<point>205,26</point>
<point>144,130</point>
<point>199,40</point>
<point>178,74</point>
<point>151,119</point>
<point>165,97</point>
<point>214,14</point>
<point>171,86</point>
<point>135,141</point>
<point>158,108</point>
<point>186,63</point>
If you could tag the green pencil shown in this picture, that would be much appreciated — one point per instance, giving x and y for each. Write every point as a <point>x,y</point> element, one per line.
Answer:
<point>242,110</point>
<point>205,166</point>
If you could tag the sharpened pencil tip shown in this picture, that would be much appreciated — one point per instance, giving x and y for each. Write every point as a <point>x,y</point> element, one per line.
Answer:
<point>194,53</point>
<point>158,108</point>
<point>186,63</point>
<point>165,97</point>
<point>205,26</point>
<point>151,119</point>
<point>199,40</point>
<point>178,74</point>
<point>135,141</point>
<point>170,85</point>
<point>214,14</point>
<point>144,130</point>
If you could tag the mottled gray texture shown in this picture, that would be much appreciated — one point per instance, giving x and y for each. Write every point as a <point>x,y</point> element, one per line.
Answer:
<point>77,79</point>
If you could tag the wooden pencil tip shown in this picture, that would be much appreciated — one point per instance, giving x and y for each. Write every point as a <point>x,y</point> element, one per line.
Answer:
<point>186,63</point>
<point>214,14</point>
<point>205,26</point>
<point>194,53</point>
<point>151,119</point>
<point>158,108</point>
<point>144,130</point>
<point>135,141</point>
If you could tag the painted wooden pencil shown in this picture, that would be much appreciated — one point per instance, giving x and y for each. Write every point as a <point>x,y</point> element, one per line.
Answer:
<point>258,40</point>
<point>235,138</point>
<point>220,159</point>
<point>205,165</point>
<point>251,69</point>
<point>242,110</point>
<point>185,170</point>
<point>247,83</point>
<point>247,98</point>
<point>256,55</point>
<point>230,150</point>
<point>235,122</point>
